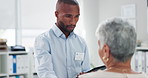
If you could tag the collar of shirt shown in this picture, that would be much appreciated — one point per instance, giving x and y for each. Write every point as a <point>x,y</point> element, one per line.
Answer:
<point>59,33</point>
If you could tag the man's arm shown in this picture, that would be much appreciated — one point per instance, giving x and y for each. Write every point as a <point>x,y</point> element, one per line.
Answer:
<point>86,64</point>
<point>43,59</point>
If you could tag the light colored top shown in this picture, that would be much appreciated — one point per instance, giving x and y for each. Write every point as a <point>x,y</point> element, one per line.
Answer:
<point>104,74</point>
<point>59,57</point>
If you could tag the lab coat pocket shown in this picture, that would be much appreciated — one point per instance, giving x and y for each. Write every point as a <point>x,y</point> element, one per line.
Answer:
<point>79,57</point>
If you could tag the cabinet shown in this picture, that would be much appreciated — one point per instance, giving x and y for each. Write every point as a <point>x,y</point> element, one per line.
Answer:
<point>140,60</point>
<point>14,64</point>
<point>33,73</point>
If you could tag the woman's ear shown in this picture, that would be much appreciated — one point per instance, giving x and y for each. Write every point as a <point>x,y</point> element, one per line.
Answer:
<point>106,50</point>
<point>99,43</point>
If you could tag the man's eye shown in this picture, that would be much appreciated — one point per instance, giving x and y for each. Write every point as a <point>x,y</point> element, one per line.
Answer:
<point>68,15</point>
<point>77,16</point>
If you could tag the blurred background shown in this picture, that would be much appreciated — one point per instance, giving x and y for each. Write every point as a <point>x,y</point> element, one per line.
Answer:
<point>22,20</point>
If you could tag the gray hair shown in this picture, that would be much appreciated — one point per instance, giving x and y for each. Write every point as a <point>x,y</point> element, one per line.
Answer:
<point>120,36</point>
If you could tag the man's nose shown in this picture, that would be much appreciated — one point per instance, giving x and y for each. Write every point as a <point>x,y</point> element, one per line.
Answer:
<point>73,21</point>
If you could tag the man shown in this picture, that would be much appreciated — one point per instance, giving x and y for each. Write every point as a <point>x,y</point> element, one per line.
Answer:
<point>59,52</point>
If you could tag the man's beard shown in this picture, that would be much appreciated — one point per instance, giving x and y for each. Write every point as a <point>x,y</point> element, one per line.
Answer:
<point>64,27</point>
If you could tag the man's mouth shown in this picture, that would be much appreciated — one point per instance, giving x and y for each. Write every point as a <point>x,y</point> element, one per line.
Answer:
<point>71,27</point>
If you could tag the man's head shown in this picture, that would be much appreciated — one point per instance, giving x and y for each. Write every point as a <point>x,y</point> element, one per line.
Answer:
<point>119,36</point>
<point>67,13</point>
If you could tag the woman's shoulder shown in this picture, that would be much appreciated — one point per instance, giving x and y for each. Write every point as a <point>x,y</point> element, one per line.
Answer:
<point>140,75</point>
<point>101,74</point>
<point>104,74</point>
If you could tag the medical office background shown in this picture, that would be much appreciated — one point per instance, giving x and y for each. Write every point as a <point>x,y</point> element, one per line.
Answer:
<point>22,20</point>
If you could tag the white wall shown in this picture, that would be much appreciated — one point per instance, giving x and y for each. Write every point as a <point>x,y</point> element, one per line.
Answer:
<point>7,14</point>
<point>90,20</point>
<point>37,14</point>
<point>109,8</point>
<point>96,11</point>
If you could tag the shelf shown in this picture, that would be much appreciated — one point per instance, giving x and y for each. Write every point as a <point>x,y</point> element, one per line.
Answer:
<point>6,64</point>
<point>142,48</point>
<point>11,52</point>
<point>17,74</point>
<point>3,53</point>
<point>17,52</point>
<point>2,74</point>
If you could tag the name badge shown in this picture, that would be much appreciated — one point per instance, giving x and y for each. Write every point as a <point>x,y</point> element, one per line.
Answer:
<point>79,56</point>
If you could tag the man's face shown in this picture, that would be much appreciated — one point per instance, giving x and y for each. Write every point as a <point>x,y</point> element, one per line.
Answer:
<point>67,17</point>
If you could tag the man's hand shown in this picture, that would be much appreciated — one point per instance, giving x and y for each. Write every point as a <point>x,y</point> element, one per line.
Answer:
<point>80,74</point>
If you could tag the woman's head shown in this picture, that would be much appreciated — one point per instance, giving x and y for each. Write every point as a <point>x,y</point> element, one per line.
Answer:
<point>119,37</point>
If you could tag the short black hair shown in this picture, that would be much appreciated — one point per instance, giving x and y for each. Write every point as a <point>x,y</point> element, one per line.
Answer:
<point>71,2</point>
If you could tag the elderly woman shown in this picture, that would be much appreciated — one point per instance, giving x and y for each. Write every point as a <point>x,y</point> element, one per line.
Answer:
<point>117,42</point>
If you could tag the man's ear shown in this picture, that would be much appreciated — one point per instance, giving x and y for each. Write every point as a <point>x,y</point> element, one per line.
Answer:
<point>106,50</point>
<point>56,14</point>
